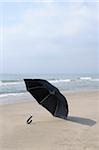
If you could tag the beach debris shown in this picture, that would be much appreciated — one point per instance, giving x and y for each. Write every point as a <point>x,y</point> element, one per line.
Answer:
<point>47,96</point>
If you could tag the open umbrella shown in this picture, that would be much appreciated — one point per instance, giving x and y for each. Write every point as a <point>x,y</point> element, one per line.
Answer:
<point>48,96</point>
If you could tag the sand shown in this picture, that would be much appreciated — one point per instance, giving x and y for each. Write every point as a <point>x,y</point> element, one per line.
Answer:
<point>79,132</point>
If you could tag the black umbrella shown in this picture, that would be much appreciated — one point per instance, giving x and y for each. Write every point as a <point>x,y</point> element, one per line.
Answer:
<point>48,96</point>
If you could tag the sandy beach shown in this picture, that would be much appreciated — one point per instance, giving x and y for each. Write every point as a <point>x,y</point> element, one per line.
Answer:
<point>79,132</point>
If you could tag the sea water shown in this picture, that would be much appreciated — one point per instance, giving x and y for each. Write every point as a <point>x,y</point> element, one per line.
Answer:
<point>12,87</point>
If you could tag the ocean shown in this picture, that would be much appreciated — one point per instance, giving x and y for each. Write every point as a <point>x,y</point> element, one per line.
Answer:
<point>12,87</point>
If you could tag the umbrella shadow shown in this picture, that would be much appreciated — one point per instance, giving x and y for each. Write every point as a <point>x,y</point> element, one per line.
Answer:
<point>83,121</point>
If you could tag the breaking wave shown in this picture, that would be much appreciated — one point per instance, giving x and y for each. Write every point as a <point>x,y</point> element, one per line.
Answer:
<point>63,83</point>
<point>60,80</point>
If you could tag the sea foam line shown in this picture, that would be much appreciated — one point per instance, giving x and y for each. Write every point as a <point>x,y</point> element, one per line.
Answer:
<point>89,78</point>
<point>85,78</point>
<point>10,94</point>
<point>60,80</point>
<point>10,83</point>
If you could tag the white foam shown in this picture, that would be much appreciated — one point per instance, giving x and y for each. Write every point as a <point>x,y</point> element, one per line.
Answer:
<point>89,78</point>
<point>0,82</point>
<point>10,83</point>
<point>85,78</point>
<point>97,79</point>
<point>57,81</point>
<point>10,94</point>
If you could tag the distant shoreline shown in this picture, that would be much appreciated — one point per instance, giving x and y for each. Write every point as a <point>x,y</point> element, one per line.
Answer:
<point>26,97</point>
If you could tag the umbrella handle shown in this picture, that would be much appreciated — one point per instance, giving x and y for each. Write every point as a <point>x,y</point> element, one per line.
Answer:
<point>29,120</point>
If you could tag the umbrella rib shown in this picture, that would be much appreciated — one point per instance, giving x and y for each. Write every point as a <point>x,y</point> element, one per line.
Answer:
<point>45,98</point>
<point>37,87</point>
<point>56,109</point>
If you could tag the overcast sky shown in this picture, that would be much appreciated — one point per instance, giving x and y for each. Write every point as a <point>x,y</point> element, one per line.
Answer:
<point>49,37</point>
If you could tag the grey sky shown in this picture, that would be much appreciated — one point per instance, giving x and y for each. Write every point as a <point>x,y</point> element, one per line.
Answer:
<point>49,37</point>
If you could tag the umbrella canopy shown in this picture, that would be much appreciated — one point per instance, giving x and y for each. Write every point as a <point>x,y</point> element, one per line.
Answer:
<point>48,96</point>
